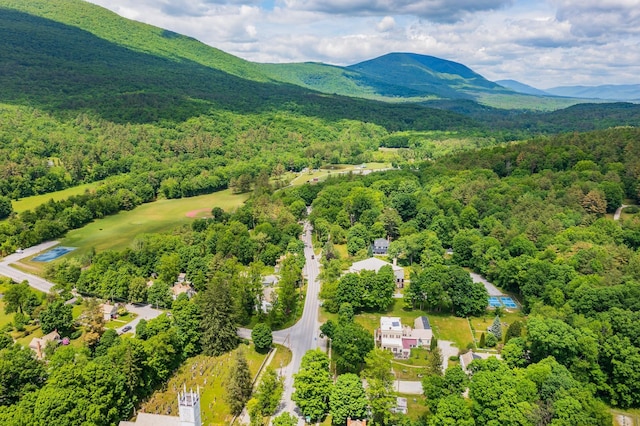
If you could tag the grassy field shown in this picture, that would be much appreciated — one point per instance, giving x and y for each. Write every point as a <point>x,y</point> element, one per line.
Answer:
<point>416,406</point>
<point>327,171</point>
<point>210,373</point>
<point>119,230</point>
<point>445,326</point>
<point>480,324</point>
<point>30,203</point>
<point>5,319</point>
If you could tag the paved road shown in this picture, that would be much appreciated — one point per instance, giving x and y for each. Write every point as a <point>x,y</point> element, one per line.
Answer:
<point>18,276</point>
<point>616,215</point>
<point>492,289</point>
<point>146,311</point>
<point>304,335</point>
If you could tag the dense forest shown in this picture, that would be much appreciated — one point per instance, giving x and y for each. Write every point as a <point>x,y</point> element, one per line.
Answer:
<point>523,198</point>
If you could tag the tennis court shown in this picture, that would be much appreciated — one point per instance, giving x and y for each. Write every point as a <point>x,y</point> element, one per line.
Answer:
<point>502,301</point>
<point>508,302</point>
<point>494,302</point>
<point>52,254</point>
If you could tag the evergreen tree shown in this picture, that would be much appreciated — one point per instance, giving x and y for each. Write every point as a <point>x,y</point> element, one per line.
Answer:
<point>496,328</point>
<point>483,341</point>
<point>219,333</point>
<point>239,385</point>
<point>434,362</point>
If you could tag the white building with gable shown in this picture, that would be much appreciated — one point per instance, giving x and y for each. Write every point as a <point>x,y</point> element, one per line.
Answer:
<point>188,407</point>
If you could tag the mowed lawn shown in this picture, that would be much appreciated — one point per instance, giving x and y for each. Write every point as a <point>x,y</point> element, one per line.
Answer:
<point>119,230</point>
<point>211,374</point>
<point>30,203</point>
<point>446,326</point>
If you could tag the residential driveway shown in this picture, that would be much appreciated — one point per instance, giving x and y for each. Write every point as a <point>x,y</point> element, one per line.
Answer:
<point>408,387</point>
<point>18,276</point>
<point>492,289</point>
<point>448,350</point>
<point>144,311</point>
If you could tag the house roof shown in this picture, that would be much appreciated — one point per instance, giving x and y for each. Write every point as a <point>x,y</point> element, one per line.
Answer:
<point>422,323</point>
<point>107,308</point>
<point>372,264</point>
<point>390,323</point>
<point>269,279</point>
<point>380,242</point>
<point>148,419</point>
<point>407,343</point>
<point>181,288</point>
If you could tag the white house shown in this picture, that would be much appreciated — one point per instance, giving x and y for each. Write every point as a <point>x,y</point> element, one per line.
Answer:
<point>469,357</point>
<point>108,311</point>
<point>374,264</point>
<point>399,339</point>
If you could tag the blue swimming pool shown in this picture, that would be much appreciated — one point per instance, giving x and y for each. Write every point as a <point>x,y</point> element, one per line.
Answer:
<point>52,254</point>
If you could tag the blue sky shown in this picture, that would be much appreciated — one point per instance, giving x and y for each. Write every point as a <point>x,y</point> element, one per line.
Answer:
<point>543,43</point>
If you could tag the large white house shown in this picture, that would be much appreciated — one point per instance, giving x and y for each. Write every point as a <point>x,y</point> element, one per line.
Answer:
<point>399,339</point>
<point>374,264</point>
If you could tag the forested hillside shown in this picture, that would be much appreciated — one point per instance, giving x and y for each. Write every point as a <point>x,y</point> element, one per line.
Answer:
<point>87,96</point>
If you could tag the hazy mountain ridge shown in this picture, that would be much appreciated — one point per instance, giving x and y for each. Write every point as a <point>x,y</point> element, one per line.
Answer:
<point>618,92</point>
<point>609,92</point>
<point>516,86</point>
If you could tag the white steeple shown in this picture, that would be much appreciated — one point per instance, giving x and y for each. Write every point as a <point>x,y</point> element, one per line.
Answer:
<point>189,407</point>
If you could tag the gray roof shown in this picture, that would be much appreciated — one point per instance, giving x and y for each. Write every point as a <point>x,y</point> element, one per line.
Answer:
<point>148,419</point>
<point>422,322</point>
<point>380,242</point>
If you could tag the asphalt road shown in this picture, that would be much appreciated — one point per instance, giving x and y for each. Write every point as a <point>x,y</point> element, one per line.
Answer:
<point>18,276</point>
<point>304,335</point>
<point>143,311</point>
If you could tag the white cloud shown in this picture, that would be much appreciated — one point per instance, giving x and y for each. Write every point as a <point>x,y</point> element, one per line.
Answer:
<point>539,43</point>
<point>386,24</point>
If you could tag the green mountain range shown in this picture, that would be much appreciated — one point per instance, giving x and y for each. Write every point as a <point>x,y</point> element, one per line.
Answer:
<point>70,55</point>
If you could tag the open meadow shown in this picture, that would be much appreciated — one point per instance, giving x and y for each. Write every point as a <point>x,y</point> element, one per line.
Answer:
<point>119,230</point>
<point>30,203</point>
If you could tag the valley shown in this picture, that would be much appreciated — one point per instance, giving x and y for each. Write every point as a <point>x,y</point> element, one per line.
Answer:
<point>239,234</point>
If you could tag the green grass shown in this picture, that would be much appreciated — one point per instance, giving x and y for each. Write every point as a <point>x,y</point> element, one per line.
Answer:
<point>193,373</point>
<point>445,326</point>
<point>334,169</point>
<point>416,405</point>
<point>480,324</point>
<point>30,203</point>
<point>121,321</point>
<point>119,230</point>
<point>5,319</point>
<point>282,357</point>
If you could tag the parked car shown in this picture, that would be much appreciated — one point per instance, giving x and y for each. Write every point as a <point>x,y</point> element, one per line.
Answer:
<point>126,328</point>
